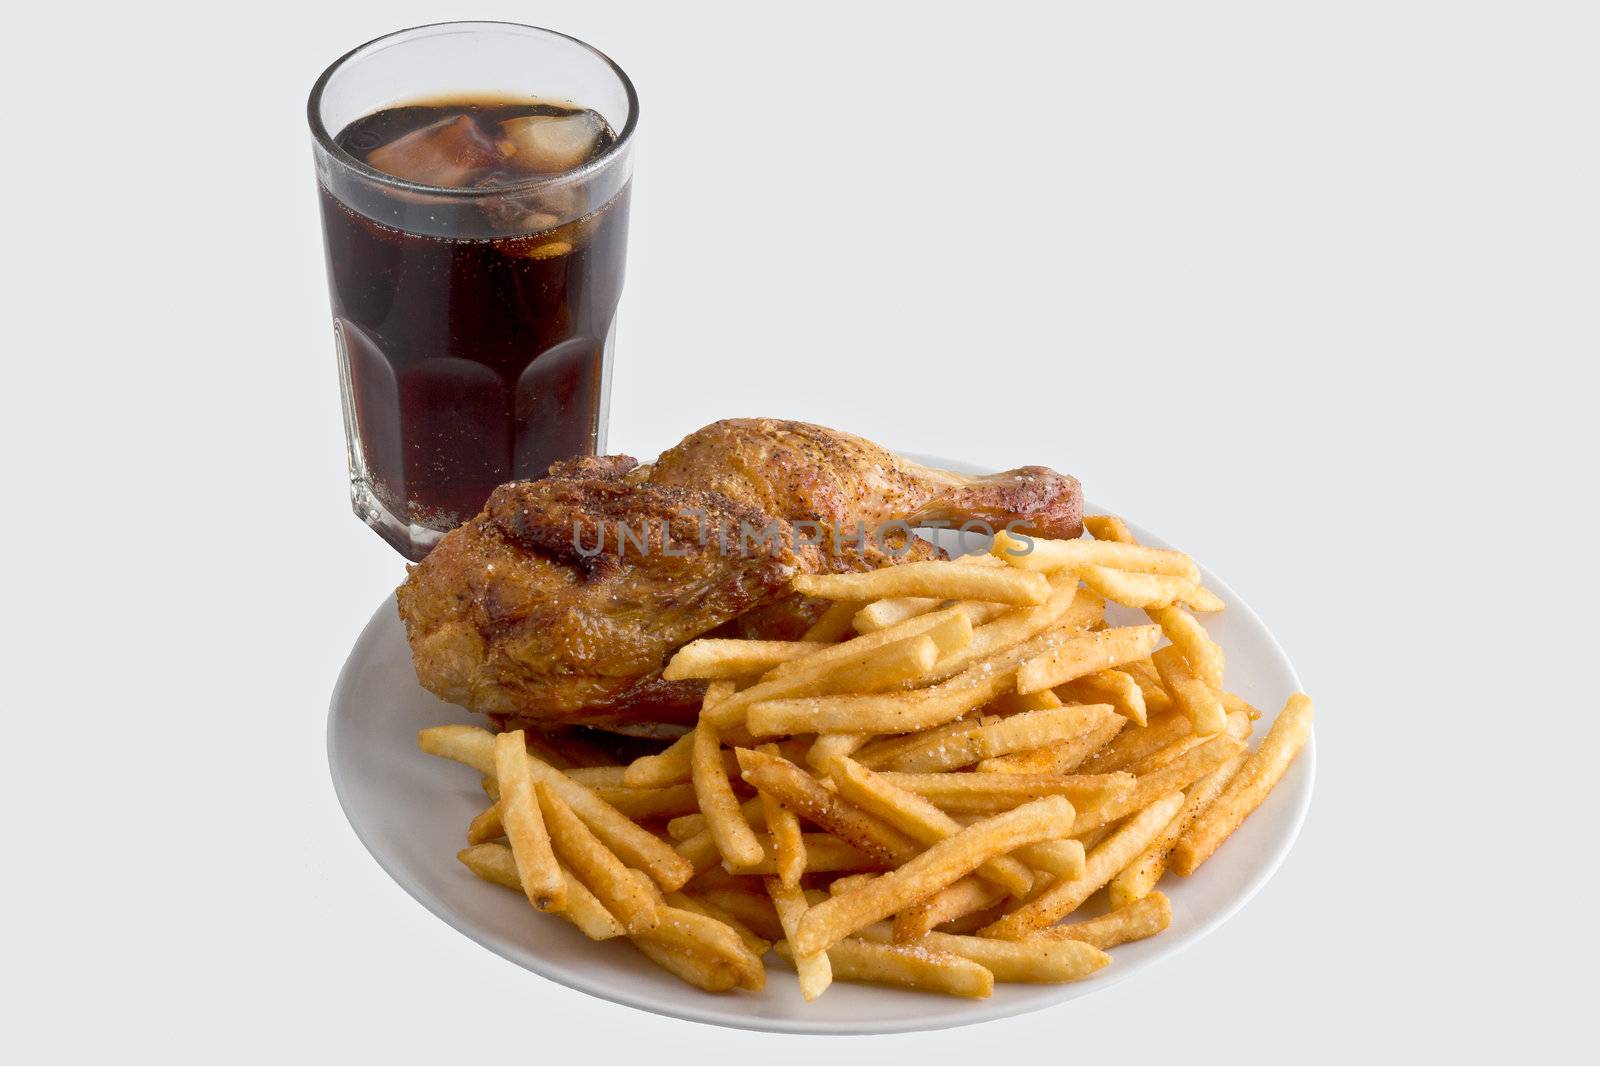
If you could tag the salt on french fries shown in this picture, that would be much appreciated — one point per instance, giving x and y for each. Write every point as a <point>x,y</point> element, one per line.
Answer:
<point>1138,879</point>
<point>904,967</point>
<point>1013,961</point>
<point>1108,857</point>
<point>1144,917</point>
<point>713,659</point>
<point>1258,776</point>
<point>1087,654</point>
<point>790,902</point>
<point>600,871</point>
<point>1115,687</point>
<point>919,820</point>
<point>932,579</point>
<point>735,839</point>
<point>989,755</point>
<point>494,862</point>
<point>933,869</point>
<point>1061,757</point>
<point>1001,792</point>
<point>1049,555</point>
<point>540,877</point>
<point>1182,772</point>
<point>788,843</point>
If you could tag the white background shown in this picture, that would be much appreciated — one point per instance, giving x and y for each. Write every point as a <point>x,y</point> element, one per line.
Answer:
<point>1309,289</point>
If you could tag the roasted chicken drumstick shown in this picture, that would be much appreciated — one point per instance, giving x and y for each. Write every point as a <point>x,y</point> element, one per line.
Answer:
<point>541,609</point>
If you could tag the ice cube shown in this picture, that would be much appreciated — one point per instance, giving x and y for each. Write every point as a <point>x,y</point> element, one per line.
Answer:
<point>551,144</point>
<point>452,152</point>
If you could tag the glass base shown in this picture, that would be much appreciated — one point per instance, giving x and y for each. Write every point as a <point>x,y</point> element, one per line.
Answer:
<point>407,538</point>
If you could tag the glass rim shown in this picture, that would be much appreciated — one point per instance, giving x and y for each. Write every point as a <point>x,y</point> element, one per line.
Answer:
<point>326,139</point>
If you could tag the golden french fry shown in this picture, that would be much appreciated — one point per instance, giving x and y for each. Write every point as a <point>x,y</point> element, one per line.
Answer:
<point>897,712</point>
<point>757,945</point>
<point>632,843</point>
<point>901,661</point>
<point>486,826</point>
<point>714,658</point>
<point>992,738</point>
<point>918,819</point>
<point>1107,527</point>
<point>833,624</point>
<point>1024,623</point>
<point>641,803</point>
<point>1182,772</point>
<point>969,895</point>
<point>811,674</point>
<point>804,795</point>
<point>940,865</point>
<point>697,935</point>
<point>1156,700</point>
<point>1116,687</point>
<point>788,844</point>
<point>700,849</point>
<point>597,776</point>
<point>1135,590</point>
<point>1000,792</point>
<point>1111,855</point>
<point>790,903</point>
<point>1131,745</point>
<point>1138,879</point>
<point>1049,555</point>
<point>1013,961</point>
<point>1199,598</point>
<point>917,968</point>
<point>494,862</point>
<point>829,746</point>
<point>1062,757</point>
<point>1260,774</point>
<point>735,839</point>
<point>884,613</point>
<point>704,973</point>
<point>1193,696</point>
<point>847,882</point>
<point>1086,654</point>
<point>595,866</point>
<point>524,825</point>
<point>937,579</point>
<point>1238,727</point>
<point>753,909</point>
<point>824,854</point>
<point>686,825</point>
<point>1135,921</point>
<point>1016,702</point>
<point>1199,651</point>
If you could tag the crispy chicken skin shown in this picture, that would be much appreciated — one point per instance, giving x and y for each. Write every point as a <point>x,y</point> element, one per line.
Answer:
<point>506,616</point>
<point>539,612</point>
<point>806,472</point>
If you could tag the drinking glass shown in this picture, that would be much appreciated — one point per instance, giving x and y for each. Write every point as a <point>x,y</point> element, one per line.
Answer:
<point>473,325</point>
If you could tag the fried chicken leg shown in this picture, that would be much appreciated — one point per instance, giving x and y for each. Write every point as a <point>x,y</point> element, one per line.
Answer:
<point>561,602</point>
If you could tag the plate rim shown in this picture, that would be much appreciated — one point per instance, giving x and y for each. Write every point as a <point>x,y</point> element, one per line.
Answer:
<point>709,1015</point>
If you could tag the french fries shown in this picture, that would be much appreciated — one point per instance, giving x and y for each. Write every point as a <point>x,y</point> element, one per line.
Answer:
<point>718,659</point>
<point>931,579</point>
<point>734,838</point>
<point>1088,654</point>
<point>537,872</point>
<point>905,967</point>
<point>1108,857</point>
<point>933,869</point>
<point>1248,788</point>
<point>961,754</point>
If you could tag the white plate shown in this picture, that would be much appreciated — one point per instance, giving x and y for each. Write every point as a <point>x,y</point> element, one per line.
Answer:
<point>411,811</point>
